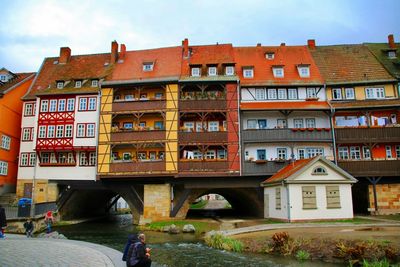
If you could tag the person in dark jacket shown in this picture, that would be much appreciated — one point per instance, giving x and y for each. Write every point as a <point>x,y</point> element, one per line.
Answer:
<point>3,221</point>
<point>132,239</point>
<point>139,254</point>
<point>28,225</point>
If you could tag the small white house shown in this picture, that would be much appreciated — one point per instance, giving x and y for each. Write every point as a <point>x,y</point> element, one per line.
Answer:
<point>314,189</point>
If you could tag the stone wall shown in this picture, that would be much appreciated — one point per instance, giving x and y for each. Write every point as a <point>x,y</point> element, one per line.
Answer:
<point>388,198</point>
<point>157,202</point>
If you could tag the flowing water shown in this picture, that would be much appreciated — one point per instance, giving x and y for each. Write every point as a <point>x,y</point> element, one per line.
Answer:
<point>172,250</point>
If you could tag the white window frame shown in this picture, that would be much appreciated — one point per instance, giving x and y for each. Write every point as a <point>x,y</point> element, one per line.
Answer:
<point>279,72</point>
<point>61,105</point>
<point>95,83</point>
<point>71,104</point>
<point>298,123</point>
<point>148,66</point>
<point>195,72</point>
<point>90,130</point>
<point>213,126</point>
<point>281,153</point>
<point>51,131</point>
<point>292,93</point>
<point>374,93</point>
<point>27,134</point>
<point>366,152</point>
<point>304,71</point>
<point>260,94</point>
<point>3,168</point>
<point>32,159</point>
<point>349,93</point>
<point>282,93</point>
<point>272,93</point>
<point>44,106</point>
<point>343,153</point>
<point>221,154</point>
<point>53,105</point>
<point>28,110</point>
<point>355,153</point>
<point>83,103</point>
<point>248,73</point>
<point>68,130</point>
<point>189,125</point>
<point>212,71</point>
<point>310,123</point>
<point>251,122</point>
<point>92,101</point>
<point>337,94</point>
<point>60,131</point>
<point>211,154</point>
<point>80,130</point>
<point>24,160</point>
<point>60,85</point>
<point>388,152</point>
<point>311,92</point>
<point>5,142</point>
<point>78,84</point>
<point>42,131</point>
<point>229,70</point>
<point>269,55</point>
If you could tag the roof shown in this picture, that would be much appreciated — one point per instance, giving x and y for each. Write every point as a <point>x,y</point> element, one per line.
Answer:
<point>342,64</point>
<point>167,63</point>
<point>288,56</point>
<point>80,67</point>
<point>380,52</point>
<point>369,104</point>
<point>18,79</point>
<point>298,105</point>
<point>294,169</point>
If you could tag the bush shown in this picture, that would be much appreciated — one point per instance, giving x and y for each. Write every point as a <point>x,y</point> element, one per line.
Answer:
<point>382,263</point>
<point>302,255</point>
<point>220,241</point>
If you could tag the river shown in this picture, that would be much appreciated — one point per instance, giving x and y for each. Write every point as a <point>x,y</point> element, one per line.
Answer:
<point>172,250</point>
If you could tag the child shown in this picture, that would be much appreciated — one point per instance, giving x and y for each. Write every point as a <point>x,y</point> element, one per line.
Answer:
<point>28,225</point>
<point>48,219</point>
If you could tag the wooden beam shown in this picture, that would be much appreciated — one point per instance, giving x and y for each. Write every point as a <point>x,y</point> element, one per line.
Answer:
<point>180,202</point>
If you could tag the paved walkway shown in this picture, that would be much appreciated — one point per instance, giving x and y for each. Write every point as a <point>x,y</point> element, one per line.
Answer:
<point>17,250</point>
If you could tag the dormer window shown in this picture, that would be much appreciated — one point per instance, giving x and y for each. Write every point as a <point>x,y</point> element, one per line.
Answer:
<point>148,66</point>
<point>248,72</point>
<point>95,83</point>
<point>392,54</point>
<point>60,85</point>
<point>212,71</point>
<point>78,84</point>
<point>195,72</point>
<point>229,70</point>
<point>3,78</point>
<point>278,72</point>
<point>304,71</point>
<point>270,55</point>
<point>319,171</point>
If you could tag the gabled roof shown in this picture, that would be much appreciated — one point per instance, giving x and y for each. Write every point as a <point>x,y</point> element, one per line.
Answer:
<point>292,170</point>
<point>18,79</point>
<point>288,105</point>
<point>290,57</point>
<point>167,64</point>
<point>80,67</point>
<point>380,51</point>
<point>344,64</point>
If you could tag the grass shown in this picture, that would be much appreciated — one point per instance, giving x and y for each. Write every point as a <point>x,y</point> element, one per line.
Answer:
<point>302,255</point>
<point>200,226</point>
<point>395,217</point>
<point>219,241</point>
<point>199,205</point>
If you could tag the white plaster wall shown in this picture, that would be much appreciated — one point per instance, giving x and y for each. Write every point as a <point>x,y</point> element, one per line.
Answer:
<point>273,212</point>
<point>86,117</point>
<point>322,212</point>
<point>66,173</point>
<point>331,175</point>
<point>248,94</point>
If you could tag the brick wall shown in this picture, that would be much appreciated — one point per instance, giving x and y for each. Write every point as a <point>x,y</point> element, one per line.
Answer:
<point>157,202</point>
<point>388,198</point>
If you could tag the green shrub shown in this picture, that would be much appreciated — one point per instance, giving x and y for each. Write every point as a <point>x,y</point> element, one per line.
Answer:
<point>302,255</point>
<point>381,263</point>
<point>220,241</point>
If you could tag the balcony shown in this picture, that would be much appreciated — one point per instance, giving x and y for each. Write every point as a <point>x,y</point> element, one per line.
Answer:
<point>141,166</point>
<point>202,105</point>
<point>203,166</point>
<point>130,135</point>
<point>371,167</point>
<point>262,167</point>
<point>357,135</point>
<point>144,105</point>
<point>287,135</point>
<point>203,137</point>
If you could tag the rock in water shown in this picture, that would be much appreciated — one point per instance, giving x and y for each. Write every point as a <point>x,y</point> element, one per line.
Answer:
<point>173,229</point>
<point>188,228</point>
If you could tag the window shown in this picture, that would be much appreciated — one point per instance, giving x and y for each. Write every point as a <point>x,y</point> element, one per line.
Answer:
<point>337,93</point>
<point>90,130</point>
<point>311,93</point>
<point>310,123</point>
<point>24,159</point>
<point>148,66</point>
<point>314,151</point>
<point>152,155</point>
<point>32,159</point>
<point>143,96</point>
<point>201,127</point>
<point>3,78</point>
<point>343,153</point>
<point>278,198</point>
<point>158,95</point>
<point>61,105</point>
<point>141,155</point>
<point>82,103</point>
<point>282,94</point>
<point>304,71</point>
<point>29,109</point>
<point>60,131</point>
<point>159,125</point>
<point>270,55</point>
<point>301,153</point>
<point>60,85</point>
<point>319,171</point>
<point>292,93</point>
<point>27,134</point>
<point>188,126</point>
<point>278,72</point>
<point>332,197</point>
<point>95,83</point>
<point>92,158</point>
<point>260,94</point>
<point>91,161</point>
<point>197,154</point>
<point>262,124</point>
<point>78,84</point>
<point>398,152</point>
<point>42,131</point>
<point>349,93</point>
<point>229,70</point>
<point>53,105</point>
<point>366,153</point>
<point>68,130</point>
<point>392,54</point>
<point>210,154</point>
<point>5,142</point>
<point>127,125</point>
<point>196,72</point>
<point>388,152</point>
<point>85,130</point>
<point>281,123</point>
<point>212,71</point>
<point>44,157</point>
<point>272,94</point>
<point>261,154</point>
<point>298,123</point>
<point>309,197</point>
<point>92,103</point>
<point>129,97</point>
<point>355,152</point>
<point>44,106</point>
<point>248,72</point>
<point>281,153</point>
<point>3,168</point>
<point>51,131</point>
<point>221,154</point>
<point>80,130</point>
<point>70,104</point>
<point>251,124</point>
<point>374,93</point>
<point>213,126</point>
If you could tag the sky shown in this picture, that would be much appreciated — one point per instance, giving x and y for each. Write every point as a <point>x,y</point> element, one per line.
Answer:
<point>32,30</point>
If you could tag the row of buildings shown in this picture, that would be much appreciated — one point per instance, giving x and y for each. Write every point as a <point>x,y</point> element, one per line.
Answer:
<point>208,110</point>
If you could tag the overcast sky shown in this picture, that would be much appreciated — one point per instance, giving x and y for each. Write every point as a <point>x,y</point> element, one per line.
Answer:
<point>32,30</point>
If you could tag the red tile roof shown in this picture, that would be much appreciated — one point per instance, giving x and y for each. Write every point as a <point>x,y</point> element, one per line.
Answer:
<point>288,170</point>
<point>288,56</point>
<point>15,81</point>
<point>299,105</point>
<point>167,63</point>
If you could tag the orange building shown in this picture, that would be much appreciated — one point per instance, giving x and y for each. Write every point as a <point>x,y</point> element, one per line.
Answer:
<point>12,87</point>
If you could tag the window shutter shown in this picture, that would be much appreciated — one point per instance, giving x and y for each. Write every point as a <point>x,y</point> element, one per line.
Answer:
<point>278,198</point>
<point>309,197</point>
<point>333,197</point>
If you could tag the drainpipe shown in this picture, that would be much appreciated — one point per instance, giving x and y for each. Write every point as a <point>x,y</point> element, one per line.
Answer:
<point>332,130</point>
<point>287,199</point>
<point>32,212</point>
<point>98,134</point>
<point>239,128</point>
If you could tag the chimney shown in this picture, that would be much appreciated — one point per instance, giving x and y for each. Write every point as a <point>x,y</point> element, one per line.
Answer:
<point>258,44</point>
<point>311,43</point>
<point>123,51</point>
<point>65,55</point>
<point>391,41</point>
<point>283,44</point>
<point>185,44</point>
<point>114,52</point>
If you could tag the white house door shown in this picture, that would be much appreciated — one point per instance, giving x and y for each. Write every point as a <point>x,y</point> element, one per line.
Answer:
<point>266,205</point>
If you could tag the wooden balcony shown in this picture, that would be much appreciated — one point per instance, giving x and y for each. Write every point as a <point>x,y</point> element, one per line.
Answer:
<point>141,166</point>
<point>143,105</point>
<point>203,166</point>
<point>202,105</point>
<point>262,167</point>
<point>286,135</point>
<point>127,135</point>
<point>203,137</point>
<point>371,167</point>
<point>357,135</point>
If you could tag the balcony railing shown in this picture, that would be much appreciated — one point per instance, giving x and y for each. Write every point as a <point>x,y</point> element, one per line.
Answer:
<point>196,105</point>
<point>356,135</point>
<point>203,137</point>
<point>262,167</point>
<point>121,106</point>
<point>371,167</point>
<point>130,135</point>
<point>140,166</point>
<point>287,135</point>
<point>203,166</point>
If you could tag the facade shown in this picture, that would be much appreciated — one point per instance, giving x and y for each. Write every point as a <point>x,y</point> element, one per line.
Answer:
<point>313,189</point>
<point>365,101</point>
<point>283,108</point>
<point>60,124</point>
<point>12,87</point>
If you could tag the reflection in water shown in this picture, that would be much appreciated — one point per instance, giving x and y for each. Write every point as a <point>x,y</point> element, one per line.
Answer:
<point>172,250</point>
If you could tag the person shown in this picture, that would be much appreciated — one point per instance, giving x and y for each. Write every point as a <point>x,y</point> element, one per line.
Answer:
<point>132,239</point>
<point>48,220</point>
<point>28,225</point>
<point>3,221</point>
<point>138,254</point>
